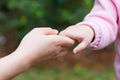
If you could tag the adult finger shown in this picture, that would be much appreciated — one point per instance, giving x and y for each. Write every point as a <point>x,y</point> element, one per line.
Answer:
<point>45,30</point>
<point>65,41</point>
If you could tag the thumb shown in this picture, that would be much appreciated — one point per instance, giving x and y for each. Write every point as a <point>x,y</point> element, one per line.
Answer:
<point>80,47</point>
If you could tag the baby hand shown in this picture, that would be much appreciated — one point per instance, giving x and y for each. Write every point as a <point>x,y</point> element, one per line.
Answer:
<point>81,34</point>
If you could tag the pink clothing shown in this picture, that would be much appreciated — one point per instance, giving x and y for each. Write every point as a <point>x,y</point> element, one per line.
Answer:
<point>104,18</point>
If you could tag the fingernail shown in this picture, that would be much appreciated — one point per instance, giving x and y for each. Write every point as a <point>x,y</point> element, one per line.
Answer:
<point>75,51</point>
<point>56,31</point>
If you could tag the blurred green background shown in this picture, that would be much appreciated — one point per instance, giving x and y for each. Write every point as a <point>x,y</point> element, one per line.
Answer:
<point>17,17</point>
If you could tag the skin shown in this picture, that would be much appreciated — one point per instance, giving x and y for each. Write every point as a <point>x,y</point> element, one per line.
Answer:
<point>83,35</point>
<point>38,45</point>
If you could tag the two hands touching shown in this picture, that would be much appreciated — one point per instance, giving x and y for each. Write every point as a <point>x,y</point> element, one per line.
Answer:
<point>41,44</point>
<point>46,43</point>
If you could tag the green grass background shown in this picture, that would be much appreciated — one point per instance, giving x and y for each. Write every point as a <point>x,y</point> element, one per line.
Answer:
<point>75,73</point>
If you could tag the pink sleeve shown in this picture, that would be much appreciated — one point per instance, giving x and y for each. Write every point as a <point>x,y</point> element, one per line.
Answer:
<point>103,20</point>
